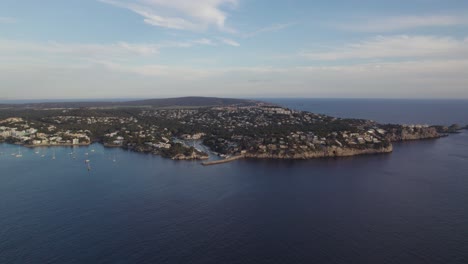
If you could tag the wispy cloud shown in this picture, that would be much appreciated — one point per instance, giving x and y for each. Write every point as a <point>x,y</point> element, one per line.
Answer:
<point>140,49</point>
<point>400,46</point>
<point>416,79</point>
<point>388,24</point>
<point>158,70</point>
<point>118,50</point>
<point>180,14</point>
<point>229,42</point>
<point>205,41</point>
<point>7,20</point>
<point>272,28</point>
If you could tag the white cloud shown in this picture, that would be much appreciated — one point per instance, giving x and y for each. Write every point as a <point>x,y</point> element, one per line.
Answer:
<point>158,70</point>
<point>205,41</point>
<point>7,20</point>
<point>80,51</point>
<point>121,70</point>
<point>411,79</point>
<point>272,28</point>
<point>401,46</point>
<point>229,42</point>
<point>140,49</point>
<point>14,48</point>
<point>403,23</point>
<point>180,14</point>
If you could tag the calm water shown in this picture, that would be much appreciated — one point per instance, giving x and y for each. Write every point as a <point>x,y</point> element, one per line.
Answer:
<point>407,207</point>
<point>432,112</point>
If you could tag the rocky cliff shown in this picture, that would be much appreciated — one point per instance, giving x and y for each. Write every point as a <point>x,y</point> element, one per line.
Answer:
<point>193,156</point>
<point>412,133</point>
<point>328,152</point>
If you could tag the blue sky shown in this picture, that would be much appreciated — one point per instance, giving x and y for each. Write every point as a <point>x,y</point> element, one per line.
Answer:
<point>233,48</point>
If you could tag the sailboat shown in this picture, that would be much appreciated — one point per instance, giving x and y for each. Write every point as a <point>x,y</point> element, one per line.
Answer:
<point>88,165</point>
<point>114,160</point>
<point>53,155</point>
<point>19,155</point>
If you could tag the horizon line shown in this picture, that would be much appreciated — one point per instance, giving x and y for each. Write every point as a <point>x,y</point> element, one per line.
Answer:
<point>124,99</point>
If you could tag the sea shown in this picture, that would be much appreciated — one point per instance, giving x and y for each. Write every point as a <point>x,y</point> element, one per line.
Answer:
<point>410,206</point>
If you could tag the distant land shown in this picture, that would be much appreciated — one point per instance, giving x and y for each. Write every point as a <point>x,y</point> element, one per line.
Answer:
<point>192,128</point>
<point>192,101</point>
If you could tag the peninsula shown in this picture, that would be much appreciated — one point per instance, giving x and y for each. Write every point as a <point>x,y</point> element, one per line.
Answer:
<point>229,128</point>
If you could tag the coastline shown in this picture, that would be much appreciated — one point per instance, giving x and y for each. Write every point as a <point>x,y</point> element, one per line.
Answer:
<point>226,160</point>
<point>56,145</point>
<point>396,133</point>
<point>332,153</point>
<point>326,153</point>
<point>329,152</point>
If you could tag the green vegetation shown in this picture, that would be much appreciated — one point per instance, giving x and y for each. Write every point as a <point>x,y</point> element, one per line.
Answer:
<point>228,130</point>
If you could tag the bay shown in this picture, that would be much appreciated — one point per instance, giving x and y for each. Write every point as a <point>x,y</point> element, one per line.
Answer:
<point>406,207</point>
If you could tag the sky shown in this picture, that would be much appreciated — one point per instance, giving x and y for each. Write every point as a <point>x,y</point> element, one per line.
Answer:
<point>61,49</point>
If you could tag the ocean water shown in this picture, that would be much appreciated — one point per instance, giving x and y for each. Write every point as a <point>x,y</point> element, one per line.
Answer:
<point>410,206</point>
<point>431,112</point>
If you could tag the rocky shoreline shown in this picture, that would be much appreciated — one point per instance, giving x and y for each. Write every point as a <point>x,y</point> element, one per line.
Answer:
<point>332,152</point>
<point>326,152</point>
<point>258,131</point>
<point>420,134</point>
<point>428,133</point>
<point>57,145</point>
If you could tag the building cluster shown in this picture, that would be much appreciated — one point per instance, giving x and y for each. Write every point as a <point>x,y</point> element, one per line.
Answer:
<point>298,142</point>
<point>232,118</point>
<point>226,130</point>
<point>92,120</point>
<point>20,131</point>
<point>263,129</point>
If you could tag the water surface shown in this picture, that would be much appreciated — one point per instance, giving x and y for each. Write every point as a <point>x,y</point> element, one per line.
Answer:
<point>432,112</point>
<point>406,207</point>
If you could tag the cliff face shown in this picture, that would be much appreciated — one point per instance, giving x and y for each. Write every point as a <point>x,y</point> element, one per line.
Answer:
<point>328,152</point>
<point>408,133</point>
<point>194,156</point>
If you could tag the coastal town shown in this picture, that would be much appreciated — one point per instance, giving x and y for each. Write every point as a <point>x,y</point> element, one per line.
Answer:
<point>17,130</point>
<point>258,130</point>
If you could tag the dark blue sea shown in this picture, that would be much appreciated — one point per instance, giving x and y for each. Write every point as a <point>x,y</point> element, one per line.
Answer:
<point>410,206</point>
<point>410,111</point>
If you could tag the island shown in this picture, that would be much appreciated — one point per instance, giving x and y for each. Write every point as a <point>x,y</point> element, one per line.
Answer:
<point>229,128</point>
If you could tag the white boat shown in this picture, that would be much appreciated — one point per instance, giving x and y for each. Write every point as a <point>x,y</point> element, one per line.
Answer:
<point>53,155</point>
<point>19,155</point>
<point>88,165</point>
